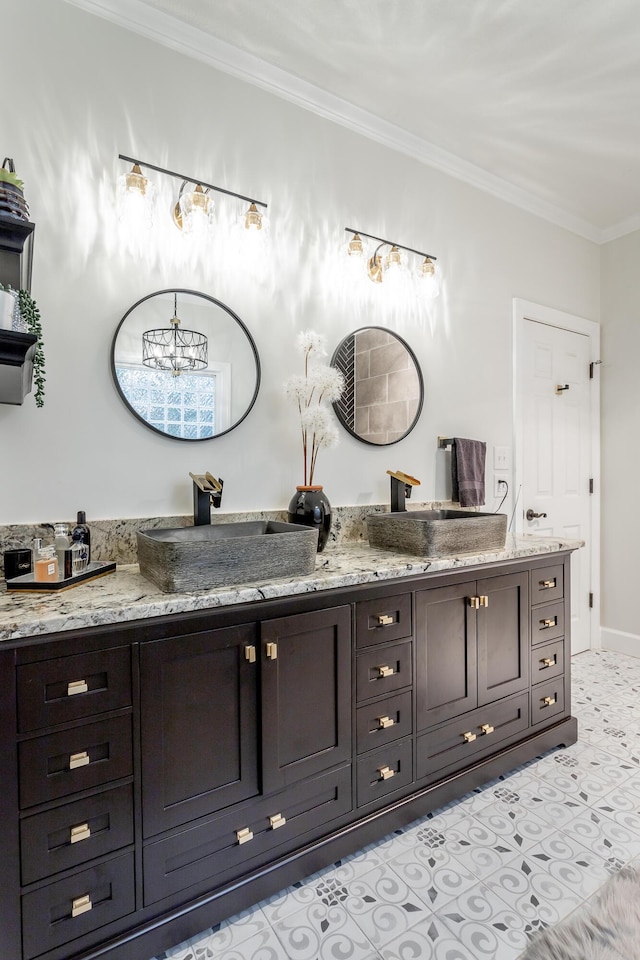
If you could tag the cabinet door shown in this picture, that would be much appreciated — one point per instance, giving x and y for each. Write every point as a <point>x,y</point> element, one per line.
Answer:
<point>306,695</point>
<point>503,638</point>
<point>446,653</point>
<point>199,724</point>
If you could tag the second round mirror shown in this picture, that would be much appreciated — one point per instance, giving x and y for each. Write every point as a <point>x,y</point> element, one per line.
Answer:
<point>383,398</point>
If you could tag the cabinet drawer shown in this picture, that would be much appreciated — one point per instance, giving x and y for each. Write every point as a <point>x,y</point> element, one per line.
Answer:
<point>383,670</point>
<point>547,622</point>
<point>547,584</point>
<point>547,700</point>
<point>388,618</point>
<point>71,835</point>
<point>48,913</point>
<point>63,763</point>
<point>456,743</point>
<point>222,848</point>
<point>547,661</point>
<point>383,721</point>
<point>70,688</point>
<point>384,771</point>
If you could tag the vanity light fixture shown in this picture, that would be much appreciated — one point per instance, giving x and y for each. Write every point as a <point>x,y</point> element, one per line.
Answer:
<point>174,348</point>
<point>193,209</point>
<point>392,264</point>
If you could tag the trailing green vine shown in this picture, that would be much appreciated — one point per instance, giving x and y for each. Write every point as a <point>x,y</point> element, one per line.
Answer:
<point>31,316</point>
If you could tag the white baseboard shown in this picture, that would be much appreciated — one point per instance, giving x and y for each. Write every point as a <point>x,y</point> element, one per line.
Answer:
<point>621,642</point>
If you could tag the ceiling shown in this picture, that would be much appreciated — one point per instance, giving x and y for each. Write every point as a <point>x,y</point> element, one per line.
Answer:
<point>537,103</point>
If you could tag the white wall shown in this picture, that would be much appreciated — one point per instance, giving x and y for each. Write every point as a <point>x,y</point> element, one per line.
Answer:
<point>85,91</point>
<point>620,443</point>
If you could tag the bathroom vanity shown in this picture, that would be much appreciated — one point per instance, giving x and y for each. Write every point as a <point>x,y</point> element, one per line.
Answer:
<point>169,760</point>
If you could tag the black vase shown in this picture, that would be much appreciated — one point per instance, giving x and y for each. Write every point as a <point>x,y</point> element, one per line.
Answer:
<point>310,506</point>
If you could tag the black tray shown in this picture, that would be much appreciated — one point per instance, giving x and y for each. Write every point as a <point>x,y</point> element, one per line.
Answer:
<point>96,568</point>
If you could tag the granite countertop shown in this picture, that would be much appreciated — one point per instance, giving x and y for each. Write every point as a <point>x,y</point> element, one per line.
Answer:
<point>125,595</point>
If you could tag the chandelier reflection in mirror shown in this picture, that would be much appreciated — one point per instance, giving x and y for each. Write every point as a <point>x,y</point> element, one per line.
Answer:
<point>391,268</point>
<point>192,210</point>
<point>173,348</point>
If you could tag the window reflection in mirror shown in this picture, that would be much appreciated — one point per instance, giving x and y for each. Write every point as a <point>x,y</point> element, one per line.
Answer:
<point>383,398</point>
<point>194,404</point>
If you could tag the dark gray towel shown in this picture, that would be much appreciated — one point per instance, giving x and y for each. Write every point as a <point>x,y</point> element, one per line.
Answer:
<point>467,471</point>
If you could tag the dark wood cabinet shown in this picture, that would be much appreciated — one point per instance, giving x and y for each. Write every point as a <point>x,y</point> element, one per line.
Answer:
<point>199,724</point>
<point>472,643</point>
<point>161,775</point>
<point>306,695</point>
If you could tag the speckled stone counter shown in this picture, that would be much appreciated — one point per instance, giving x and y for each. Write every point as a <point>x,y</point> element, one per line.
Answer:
<point>125,595</point>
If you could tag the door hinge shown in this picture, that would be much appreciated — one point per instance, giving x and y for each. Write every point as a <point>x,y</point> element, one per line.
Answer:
<point>591,366</point>
<point>590,601</point>
<point>590,484</point>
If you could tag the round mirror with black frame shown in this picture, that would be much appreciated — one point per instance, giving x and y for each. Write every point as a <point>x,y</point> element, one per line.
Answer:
<point>185,364</point>
<point>384,391</point>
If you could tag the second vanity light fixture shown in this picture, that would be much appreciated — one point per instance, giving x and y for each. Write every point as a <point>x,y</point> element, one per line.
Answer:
<point>193,209</point>
<point>380,267</point>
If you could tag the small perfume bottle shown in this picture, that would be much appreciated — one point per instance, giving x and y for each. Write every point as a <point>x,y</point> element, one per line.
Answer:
<point>46,566</point>
<point>61,543</point>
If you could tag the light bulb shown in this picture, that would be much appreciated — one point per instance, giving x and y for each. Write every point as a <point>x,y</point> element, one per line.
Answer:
<point>355,247</point>
<point>429,279</point>
<point>136,197</point>
<point>253,218</point>
<point>193,213</point>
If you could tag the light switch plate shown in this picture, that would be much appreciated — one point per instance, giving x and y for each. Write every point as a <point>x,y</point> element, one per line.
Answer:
<point>501,458</point>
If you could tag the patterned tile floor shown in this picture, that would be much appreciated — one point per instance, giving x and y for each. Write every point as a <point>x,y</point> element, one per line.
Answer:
<point>475,879</point>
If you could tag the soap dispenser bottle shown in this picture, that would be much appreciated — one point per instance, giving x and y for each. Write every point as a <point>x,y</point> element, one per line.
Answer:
<point>81,532</point>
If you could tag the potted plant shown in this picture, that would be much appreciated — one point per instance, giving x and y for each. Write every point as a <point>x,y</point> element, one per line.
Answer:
<point>29,316</point>
<point>313,391</point>
<point>12,202</point>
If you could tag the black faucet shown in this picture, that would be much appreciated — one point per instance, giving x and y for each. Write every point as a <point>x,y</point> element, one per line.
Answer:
<point>401,486</point>
<point>207,491</point>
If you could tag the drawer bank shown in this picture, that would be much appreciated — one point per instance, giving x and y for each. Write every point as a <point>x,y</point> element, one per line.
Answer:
<point>161,774</point>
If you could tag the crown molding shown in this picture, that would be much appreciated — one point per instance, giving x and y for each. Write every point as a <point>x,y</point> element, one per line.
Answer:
<point>141,18</point>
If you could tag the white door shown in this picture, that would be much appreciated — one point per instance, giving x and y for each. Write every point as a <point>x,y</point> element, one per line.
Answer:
<point>556,453</point>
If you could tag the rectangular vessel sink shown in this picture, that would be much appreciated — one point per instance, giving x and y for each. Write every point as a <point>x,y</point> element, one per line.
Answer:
<point>224,554</point>
<point>437,533</point>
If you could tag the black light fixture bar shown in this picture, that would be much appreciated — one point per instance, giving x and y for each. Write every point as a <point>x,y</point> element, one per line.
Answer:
<point>391,243</point>
<point>196,180</point>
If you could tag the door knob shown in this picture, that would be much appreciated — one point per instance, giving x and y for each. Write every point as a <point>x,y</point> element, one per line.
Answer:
<point>531,515</point>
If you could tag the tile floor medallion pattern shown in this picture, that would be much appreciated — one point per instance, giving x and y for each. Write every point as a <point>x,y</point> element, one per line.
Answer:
<point>478,878</point>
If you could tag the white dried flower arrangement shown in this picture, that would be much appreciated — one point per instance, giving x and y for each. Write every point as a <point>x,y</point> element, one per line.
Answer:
<point>319,386</point>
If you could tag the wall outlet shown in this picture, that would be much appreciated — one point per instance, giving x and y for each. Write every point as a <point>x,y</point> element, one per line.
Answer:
<point>500,486</point>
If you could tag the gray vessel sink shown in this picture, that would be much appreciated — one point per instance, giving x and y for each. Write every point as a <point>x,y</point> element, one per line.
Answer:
<point>437,533</point>
<point>182,559</point>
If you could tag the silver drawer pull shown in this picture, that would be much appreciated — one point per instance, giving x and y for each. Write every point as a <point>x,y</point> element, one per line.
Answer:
<point>78,760</point>
<point>81,832</point>
<point>384,620</point>
<point>549,661</point>
<point>548,701</point>
<point>547,584</point>
<point>385,671</point>
<point>386,773</point>
<point>76,686</point>
<point>277,820</point>
<point>549,622</point>
<point>244,835</point>
<point>81,905</point>
<point>384,722</point>
<point>469,737</point>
